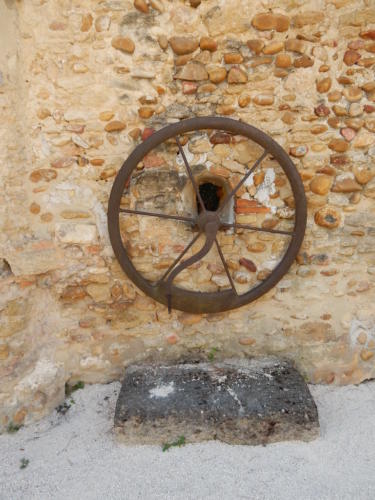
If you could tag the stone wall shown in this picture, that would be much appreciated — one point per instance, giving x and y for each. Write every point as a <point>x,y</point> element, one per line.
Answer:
<point>81,84</point>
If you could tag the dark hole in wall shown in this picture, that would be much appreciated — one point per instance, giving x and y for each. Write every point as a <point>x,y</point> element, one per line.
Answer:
<point>5,269</point>
<point>211,195</point>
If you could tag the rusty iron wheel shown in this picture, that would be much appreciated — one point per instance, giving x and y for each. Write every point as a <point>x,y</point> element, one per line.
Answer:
<point>209,223</point>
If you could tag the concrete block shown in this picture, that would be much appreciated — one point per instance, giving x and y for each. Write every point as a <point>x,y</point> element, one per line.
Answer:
<point>238,401</point>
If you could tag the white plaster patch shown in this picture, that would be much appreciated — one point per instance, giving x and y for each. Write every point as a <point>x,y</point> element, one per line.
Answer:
<point>235,397</point>
<point>266,188</point>
<point>43,374</point>
<point>357,327</point>
<point>68,232</point>
<point>201,159</point>
<point>250,180</point>
<point>344,176</point>
<point>189,156</point>
<point>162,391</point>
<point>94,362</point>
<point>101,221</point>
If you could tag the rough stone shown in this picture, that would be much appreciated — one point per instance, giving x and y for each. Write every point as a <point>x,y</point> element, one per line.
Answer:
<point>43,174</point>
<point>255,46</point>
<point>339,110</point>
<point>307,18</point>
<point>237,75</point>
<point>193,71</point>
<point>269,21</point>
<point>141,5</point>
<point>370,124</point>
<point>146,111</point>
<point>324,85</point>
<point>207,43</point>
<point>355,109</point>
<point>233,58</point>
<point>105,116</point>
<point>353,94</point>
<point>334,96</point>
<point>217,75</point>
<point>259,61</point>
<point>124,44</point>
<point>321,184</point>
<point>298,151</point>
<point>163,42</point>
<point>368,34</point>
<point>303,62</point>
<point>244,100</point>
<point>321,110</point>
<point>100,293</point>
<point>295,45</point>
<point>115,126</point>
<point>363,174</point>
<point>273,48</point>
<point>368,108</point>
<point>41,257</point>
<point>73,294</point>
<point>263,99</point>
<point>327,217</point>
<point>86,22</point>
<point>354,123</point>
<point>189,88</point>
<point>183,44</point>
<point>348,133</point>
<point>364,139</point>
<point>366,355</point>
<point>338,145</point>
<point>346,184</point>
<point>283,61</point>
<point>256,401</point>
<point>351,57</point>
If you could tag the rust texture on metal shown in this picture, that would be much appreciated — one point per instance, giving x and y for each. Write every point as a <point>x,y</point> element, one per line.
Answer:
<point>207,222</point>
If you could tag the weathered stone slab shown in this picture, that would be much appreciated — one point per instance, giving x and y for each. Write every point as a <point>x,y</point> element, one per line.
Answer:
<point>244,401</point>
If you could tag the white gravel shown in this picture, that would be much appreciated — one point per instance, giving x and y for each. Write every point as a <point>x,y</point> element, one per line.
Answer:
<point>76,457</point>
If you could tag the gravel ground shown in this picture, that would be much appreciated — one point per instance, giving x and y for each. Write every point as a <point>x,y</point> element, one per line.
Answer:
<point>75,456</point>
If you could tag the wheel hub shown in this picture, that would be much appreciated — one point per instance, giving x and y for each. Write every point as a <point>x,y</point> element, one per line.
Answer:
<point>208,222</point>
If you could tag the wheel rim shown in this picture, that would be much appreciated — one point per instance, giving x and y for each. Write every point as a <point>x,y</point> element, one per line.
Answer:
<point>196,301</point>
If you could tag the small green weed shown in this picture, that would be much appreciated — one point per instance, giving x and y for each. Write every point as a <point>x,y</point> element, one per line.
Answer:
<point>69,389</point>
<point>24,463</point>
<point>212,353</point>
<point>12,428</point>
<point>65,406</point>
<point>179,442</point>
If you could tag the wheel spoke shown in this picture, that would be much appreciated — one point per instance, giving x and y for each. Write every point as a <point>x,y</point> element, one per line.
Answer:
<point>153,214</point>
<point>190,173</point>
<point>254,228</point>
<point>177,260</point>
<point>225,266</point>
<point>236,188</point>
